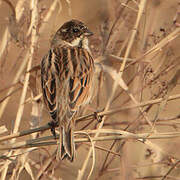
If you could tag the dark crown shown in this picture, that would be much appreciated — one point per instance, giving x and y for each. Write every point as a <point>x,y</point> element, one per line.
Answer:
<point>70,30</point>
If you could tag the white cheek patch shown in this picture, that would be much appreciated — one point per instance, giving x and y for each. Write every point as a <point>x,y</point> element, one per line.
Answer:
<point>76,42</point>
<point>64,30</point>
<point>83,42</point>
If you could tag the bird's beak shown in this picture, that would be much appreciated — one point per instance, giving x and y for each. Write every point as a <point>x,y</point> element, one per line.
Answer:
<point>88,33</point>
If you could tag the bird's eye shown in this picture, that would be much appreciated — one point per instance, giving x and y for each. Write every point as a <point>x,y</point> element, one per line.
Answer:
<point>75,30</point>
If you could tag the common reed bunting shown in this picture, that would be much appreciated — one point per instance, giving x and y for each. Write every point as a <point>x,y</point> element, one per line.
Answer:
<point>67,81</point>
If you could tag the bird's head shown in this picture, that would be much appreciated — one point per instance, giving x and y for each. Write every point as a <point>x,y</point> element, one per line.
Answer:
<point>72,33</point>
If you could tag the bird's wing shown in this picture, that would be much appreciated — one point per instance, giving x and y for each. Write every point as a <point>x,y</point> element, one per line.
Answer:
<point>66,78</point>
<point>48,83</point>
<point>80,78</point>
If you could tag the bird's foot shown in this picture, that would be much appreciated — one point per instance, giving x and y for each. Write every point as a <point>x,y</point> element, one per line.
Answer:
<point>97,116</point>
<point>53,125</point>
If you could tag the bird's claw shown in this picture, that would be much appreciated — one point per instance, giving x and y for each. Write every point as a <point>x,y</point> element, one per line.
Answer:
<point>53,125</point>
<point>98,117</point>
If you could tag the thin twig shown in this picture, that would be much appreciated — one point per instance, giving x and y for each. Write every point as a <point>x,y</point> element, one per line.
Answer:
<point>165,176</point>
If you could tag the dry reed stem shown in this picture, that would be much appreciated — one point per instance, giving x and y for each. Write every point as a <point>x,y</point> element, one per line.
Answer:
<point>19,8</point>
<point>30,55</point>
<point>104,113</point>
<point>34,38</point>
<point>26,81</point>
<point>121,58</point>
<point>93,153</point>
<point>173,167</point>
<point>69,8</point>
<point>22,67</point>
<point>115,84</point>
<point>34,99</point>
<point>141,110</point>
<point>46,164</point>
<point>112,134</point>
<point>8,96</point>
<point>171,85</point>
<point>3,105</point>
<point>156,177</point>
<point>112,111</point>
<point>131,40</point>
<point>48,15</point>
<point>24,62</point>
<point>16,79</point>
<point>24,133</point>
<point>123,4</point>
<point>158,47</point>
<point>164,42</point>
<point>155,101</point>
<point>106,150</point>
<point>127,52</point>
<point>3,129</point>
<point>4,42</point>
<point>115,76</point>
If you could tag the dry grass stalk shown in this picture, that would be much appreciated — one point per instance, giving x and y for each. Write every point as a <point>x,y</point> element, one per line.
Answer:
<point>115,84</point>
<point>111,134</point>
<point>122,52</point>
<point>103,113</point>
<point>34,38</point>
<point>24,62</point>
<point>24,91</point>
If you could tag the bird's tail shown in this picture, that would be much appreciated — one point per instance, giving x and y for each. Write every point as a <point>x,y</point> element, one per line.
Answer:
<point>66,147</point>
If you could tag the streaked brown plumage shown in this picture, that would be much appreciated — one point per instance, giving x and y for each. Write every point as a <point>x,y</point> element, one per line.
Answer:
<point>66,78</point>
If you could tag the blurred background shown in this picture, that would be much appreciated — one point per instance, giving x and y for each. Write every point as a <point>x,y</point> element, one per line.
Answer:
<point>152,71</point>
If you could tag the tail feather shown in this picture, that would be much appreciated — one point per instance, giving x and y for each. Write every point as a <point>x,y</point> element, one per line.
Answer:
<point>66,146</point>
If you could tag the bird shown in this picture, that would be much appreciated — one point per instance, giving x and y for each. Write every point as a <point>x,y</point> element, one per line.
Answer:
<point>67,72</point>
